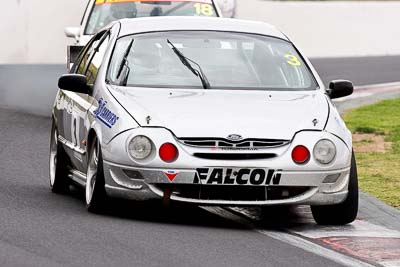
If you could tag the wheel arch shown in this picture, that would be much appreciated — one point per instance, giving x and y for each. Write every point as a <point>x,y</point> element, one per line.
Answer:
<point>91,136</point>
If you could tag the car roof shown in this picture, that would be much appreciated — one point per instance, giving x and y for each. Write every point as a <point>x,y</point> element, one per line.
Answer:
<point>157,24</point>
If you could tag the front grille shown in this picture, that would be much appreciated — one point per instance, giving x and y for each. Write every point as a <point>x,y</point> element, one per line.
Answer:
<point>225,143</point>
<point>234,156</point>
<point>235,192</point>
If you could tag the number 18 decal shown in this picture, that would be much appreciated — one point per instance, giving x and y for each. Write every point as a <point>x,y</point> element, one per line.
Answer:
<point>292,60</point>
<point>204,9</point>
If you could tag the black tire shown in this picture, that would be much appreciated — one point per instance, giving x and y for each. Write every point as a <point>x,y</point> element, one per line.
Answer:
<point>342,213</point>
<point>98,200</point>
<point>58,171</point>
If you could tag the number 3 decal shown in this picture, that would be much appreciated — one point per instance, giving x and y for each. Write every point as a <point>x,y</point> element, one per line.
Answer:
<point>204,9</point>
<point>292,60</point>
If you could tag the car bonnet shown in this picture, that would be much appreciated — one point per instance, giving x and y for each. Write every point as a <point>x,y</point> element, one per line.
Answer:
<point>219,113</point>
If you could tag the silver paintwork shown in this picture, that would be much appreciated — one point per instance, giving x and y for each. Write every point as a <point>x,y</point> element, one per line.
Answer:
<point>141,25</point>
<point>71,145</point>
<point>303,108</point>
<point>281,115</point>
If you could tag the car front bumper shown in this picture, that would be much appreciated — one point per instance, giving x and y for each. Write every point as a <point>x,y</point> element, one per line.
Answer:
<point>295,187</point>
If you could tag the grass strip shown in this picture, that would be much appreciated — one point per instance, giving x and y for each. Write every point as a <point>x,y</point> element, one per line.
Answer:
<point>376,132</point>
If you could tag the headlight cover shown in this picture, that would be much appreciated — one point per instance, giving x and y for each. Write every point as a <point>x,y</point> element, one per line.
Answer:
<point>324,151</point>
<point>140,147</point>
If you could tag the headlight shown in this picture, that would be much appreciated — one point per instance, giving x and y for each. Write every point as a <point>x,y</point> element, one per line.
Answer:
<point>140,147</point>
<point>324,151</point>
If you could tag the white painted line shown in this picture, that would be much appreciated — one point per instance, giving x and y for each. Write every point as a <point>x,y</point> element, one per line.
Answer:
<point>395,263</point>
<point>315,248</point>
<point>379,85</point>
<point>356,229</point>
<point>291,239</point>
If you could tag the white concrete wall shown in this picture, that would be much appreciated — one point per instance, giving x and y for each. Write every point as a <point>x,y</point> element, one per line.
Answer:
<point>333,29</point>
<point>32,31</point>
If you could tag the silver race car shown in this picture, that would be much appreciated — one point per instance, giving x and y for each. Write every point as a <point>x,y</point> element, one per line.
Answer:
<point>205,111</point>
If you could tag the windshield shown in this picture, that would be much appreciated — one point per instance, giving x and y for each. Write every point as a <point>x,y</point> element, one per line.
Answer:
<point>220,60</point>
<point>107,11</point>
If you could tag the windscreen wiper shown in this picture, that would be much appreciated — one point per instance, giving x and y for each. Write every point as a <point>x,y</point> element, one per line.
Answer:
<point>186,61</point>
<point>125,60</point>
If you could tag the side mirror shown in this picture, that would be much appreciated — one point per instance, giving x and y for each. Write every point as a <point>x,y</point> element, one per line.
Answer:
<point>72,32</point>
<point>74,82</point>
<point>340,88</point>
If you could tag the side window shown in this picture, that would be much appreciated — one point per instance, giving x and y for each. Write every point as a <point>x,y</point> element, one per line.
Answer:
<point>97,59</point>
<point>87,54</point>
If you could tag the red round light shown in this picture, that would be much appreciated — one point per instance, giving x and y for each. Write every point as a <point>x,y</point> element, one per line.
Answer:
<point>168,152</point>
<point>300,154</point>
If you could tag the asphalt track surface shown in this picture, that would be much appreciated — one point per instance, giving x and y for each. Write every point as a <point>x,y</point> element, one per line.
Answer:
<point>39,228</point>
<point>360,70</point>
